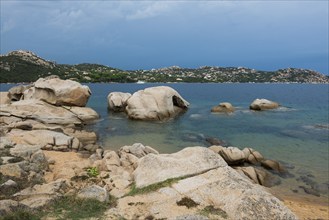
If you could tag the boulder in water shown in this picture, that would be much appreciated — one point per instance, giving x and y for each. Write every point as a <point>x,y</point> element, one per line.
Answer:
<point>224,107</point>
<point>155,103</point>
<point>263,104</point>
<point>117,101</point>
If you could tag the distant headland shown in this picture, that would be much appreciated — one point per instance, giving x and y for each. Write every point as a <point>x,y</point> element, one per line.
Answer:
<point>25,66</point>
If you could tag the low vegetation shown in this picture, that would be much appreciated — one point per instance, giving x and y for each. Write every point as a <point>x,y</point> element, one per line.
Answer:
<point>211,212</point>
<point>92,171</point>
<point>188,202</point>
<point>68,207</point>
<point>153,187</point>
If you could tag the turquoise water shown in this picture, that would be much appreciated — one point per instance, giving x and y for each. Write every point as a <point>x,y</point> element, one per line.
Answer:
<point>297,133</point>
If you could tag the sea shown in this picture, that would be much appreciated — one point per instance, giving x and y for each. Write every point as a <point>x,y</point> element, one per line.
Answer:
<point>296,134</point>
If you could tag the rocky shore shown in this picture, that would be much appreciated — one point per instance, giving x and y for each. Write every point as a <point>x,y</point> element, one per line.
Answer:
<point>47,155</point>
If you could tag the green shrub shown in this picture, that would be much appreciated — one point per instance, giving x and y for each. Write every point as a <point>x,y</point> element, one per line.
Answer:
<point>92,171</point>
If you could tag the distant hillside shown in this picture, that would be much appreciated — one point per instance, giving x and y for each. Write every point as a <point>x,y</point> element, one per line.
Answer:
<point>25,66</point>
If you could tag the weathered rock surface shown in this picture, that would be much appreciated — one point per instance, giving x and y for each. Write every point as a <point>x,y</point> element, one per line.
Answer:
<point>154,168</point>
<point>43,138</point>
<point>59,92</point>
<point>15,93</point>
<point>155,103</point>
<point>94,192</point>
<point>232,155</point>
<point>137,149</point>
<point>4,98</point>
<point>8,206</point>
<point>273,165</point>
<point>117,101</point>
<point>41,195</point>
<point>46,113</point>
<point>222,187</point>
<point>252,156</point>
<point>12,170</point>
<point>224,107</point>
<point>263,104</point>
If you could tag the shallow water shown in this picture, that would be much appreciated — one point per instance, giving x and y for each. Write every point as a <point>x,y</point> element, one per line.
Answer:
<point>297,133</point>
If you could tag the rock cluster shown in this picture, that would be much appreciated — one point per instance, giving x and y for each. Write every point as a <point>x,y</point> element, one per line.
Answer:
<point>48,115</point>
<point>154,103</point>
<point>202,178</point>
<point>252,164</point>
<point>257,105</point>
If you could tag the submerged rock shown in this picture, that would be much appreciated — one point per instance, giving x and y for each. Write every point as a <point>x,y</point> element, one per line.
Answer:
<point>155,103</point>
<point>310,191</point>
<point>224,107</point>
<point>263,104</point>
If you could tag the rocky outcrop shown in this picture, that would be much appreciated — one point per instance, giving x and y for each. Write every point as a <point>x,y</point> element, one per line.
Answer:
<point>59,92</point>
<point>248,161</point>
<point>232,155</point>
<point>224,107</point>
<point>117,101</point>
<point>16,93</point>
<point>222,188</point>
<point>138,150</point>
<point>41,195</point>
<point>48,114</point>
<point>155,103</point>
<point>4,98</point>
<point>263,104</point>
<point>154,168</point>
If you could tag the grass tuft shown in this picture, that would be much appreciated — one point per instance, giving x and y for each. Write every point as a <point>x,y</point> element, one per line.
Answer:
<point>67,207</point>
<point>210,211</point>
<point>153,187</point>
<point>70,207</point>
<point>188,202</point>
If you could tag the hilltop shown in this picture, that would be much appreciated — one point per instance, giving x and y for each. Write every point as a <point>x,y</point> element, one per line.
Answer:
<point>25,66</point>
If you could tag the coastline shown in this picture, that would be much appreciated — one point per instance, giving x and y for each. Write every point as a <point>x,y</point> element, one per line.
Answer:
<point>224,169</point>
<point>304,207</point>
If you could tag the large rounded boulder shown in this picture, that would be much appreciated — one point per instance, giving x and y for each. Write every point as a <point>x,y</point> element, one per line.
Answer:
<point>263,104</point>
<point>59,92</point>
<point>155,103</point>
<point>117,101</point>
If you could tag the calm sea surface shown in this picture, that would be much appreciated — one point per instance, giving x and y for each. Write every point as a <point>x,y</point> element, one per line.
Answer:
<point>297,133</point>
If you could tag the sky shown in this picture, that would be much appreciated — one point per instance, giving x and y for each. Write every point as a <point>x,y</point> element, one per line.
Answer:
<point>263,35</point>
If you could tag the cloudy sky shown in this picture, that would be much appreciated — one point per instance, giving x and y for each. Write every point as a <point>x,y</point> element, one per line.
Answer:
<point>265,34</point>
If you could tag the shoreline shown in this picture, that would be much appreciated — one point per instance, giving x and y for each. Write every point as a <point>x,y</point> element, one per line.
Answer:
<point>304,207</point>
<point>85,164</point>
